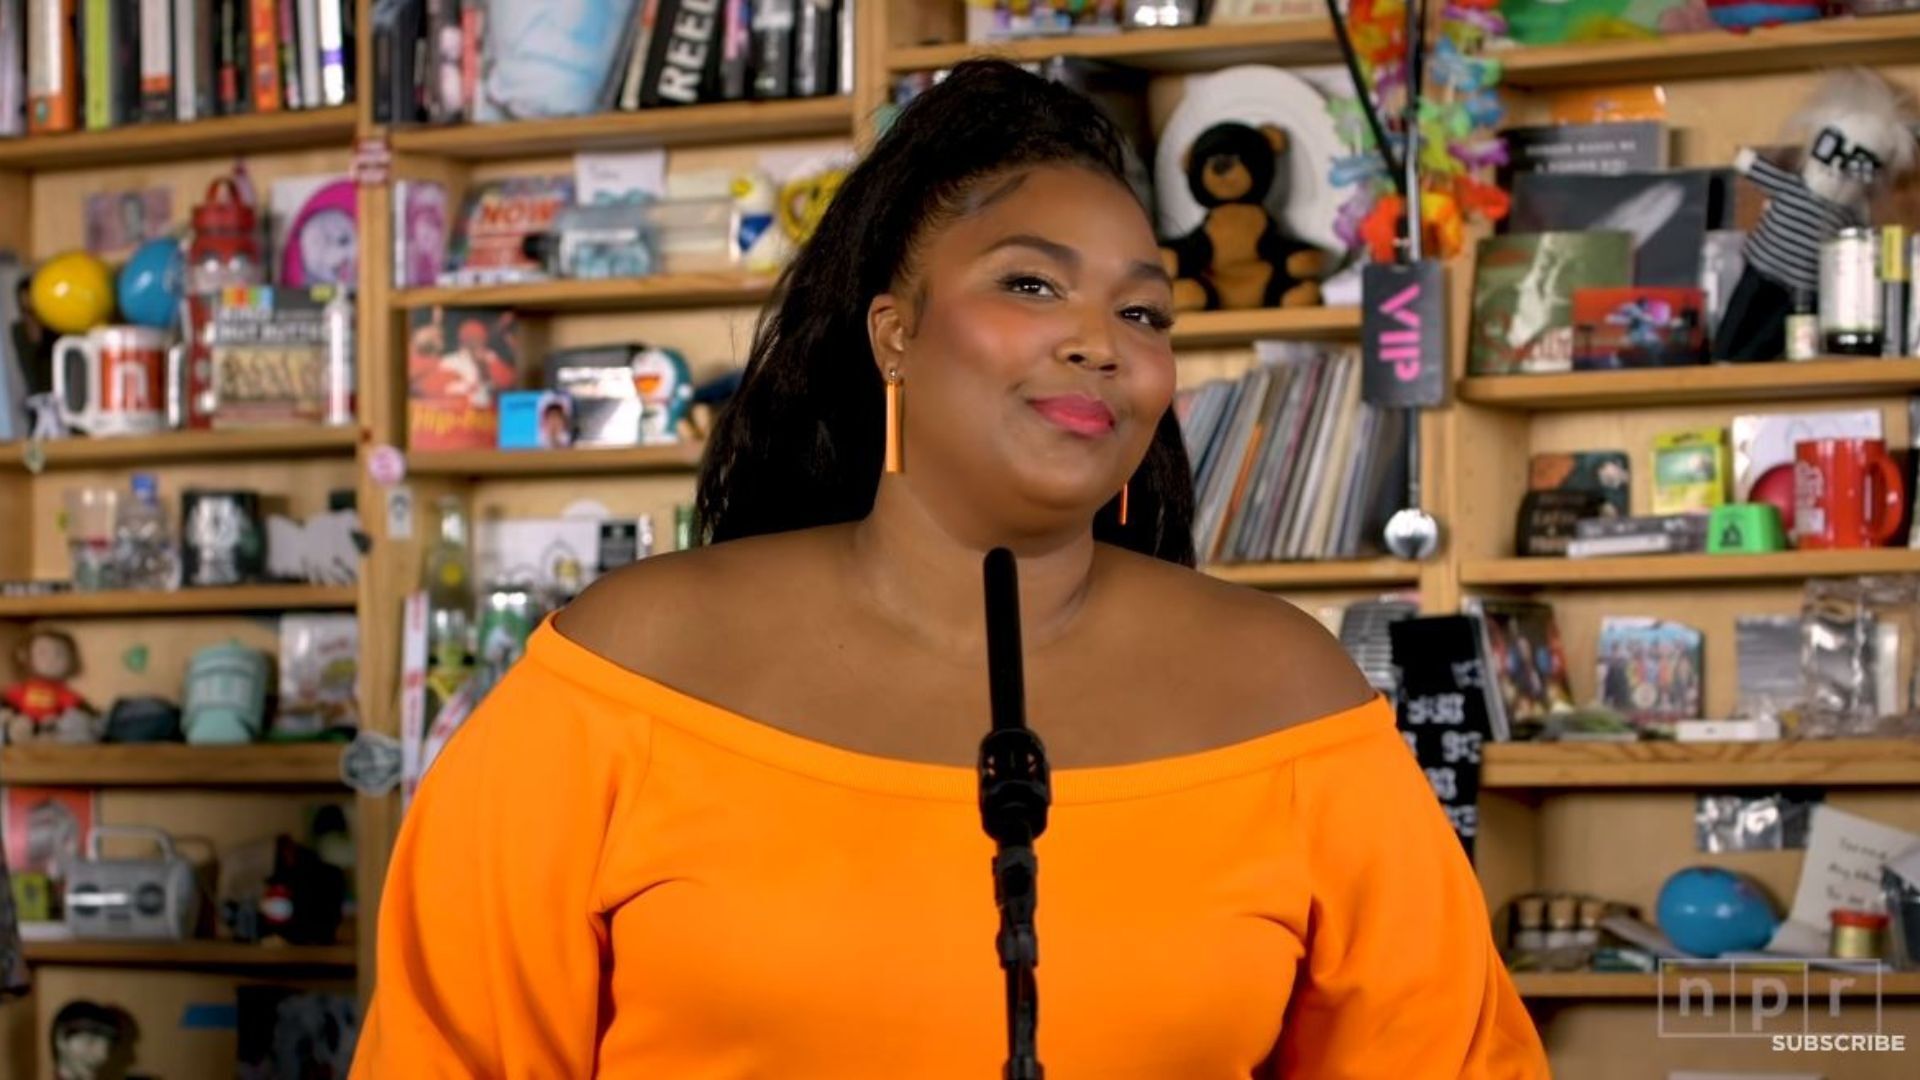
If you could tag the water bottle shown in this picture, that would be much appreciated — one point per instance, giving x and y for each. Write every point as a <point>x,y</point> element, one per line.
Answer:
<point>142,544</point>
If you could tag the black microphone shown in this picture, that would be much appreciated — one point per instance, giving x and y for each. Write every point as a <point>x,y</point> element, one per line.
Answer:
<point>1015,792</point>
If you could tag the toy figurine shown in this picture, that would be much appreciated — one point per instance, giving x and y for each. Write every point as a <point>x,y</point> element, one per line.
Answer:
<point>91,1042</point>
<point>1238,257</point>
<point>41,705</point>
<point>1859,138</point>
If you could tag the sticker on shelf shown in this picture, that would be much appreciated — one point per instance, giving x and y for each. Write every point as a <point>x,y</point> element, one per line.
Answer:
<point>400,513</point>
<point>134,659</point>
<point>370,764</point>
<point>372,161</point>
<point>386,465</point>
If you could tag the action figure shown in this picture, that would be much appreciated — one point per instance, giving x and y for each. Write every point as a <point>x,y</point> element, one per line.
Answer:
<point>1860,137</point>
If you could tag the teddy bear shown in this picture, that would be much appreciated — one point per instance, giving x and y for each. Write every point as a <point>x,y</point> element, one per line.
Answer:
<point>1238,257</point>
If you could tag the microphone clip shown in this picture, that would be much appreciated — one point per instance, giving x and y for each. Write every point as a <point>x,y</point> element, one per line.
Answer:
<point>1015,786</point>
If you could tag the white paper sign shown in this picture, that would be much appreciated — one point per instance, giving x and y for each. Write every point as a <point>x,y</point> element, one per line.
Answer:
<point>1842,870</point>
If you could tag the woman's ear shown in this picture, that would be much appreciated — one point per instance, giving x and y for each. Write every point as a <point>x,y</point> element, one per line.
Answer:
<point>887,330</point>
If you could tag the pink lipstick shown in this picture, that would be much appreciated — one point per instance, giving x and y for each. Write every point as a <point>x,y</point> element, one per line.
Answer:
<point>1076,413</point>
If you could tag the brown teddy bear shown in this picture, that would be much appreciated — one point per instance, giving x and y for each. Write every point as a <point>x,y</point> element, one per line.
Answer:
<point>1238,257</point>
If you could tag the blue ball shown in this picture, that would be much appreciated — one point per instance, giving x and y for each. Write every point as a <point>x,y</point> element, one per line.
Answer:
<point>1706,911</point>
<point>152,284</point>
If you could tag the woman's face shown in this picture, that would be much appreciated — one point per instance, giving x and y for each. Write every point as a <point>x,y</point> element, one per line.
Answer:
<point>1032,345</point>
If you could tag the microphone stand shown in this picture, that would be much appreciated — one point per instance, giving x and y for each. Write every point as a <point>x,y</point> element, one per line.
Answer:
<point>1014,796</point>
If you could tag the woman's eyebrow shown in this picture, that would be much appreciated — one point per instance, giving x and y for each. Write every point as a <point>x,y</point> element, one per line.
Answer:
<point>1052,249</point>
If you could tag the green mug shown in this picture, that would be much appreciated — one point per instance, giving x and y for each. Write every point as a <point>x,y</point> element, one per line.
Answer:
<point>1745,529</point>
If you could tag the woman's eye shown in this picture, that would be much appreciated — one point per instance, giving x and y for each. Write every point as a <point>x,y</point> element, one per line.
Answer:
<point>1028,285</point>
<point>1153,317</point>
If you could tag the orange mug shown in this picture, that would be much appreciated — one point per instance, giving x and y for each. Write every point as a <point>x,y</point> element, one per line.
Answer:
<point>1847,493</point>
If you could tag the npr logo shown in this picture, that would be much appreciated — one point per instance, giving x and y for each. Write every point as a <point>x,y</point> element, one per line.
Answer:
<point>1793,1004</point>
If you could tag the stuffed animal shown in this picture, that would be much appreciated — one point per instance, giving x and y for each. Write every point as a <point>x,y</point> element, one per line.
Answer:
<point>1238,257</point>
<point>1859,135</point>
<point>41,705</point>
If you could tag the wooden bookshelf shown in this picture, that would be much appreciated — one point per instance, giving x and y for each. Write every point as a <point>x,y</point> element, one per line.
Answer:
<point>579,461</point>
<point>1598,985</point>
<point>173,765</point>
<point>184,446</point>
<point>1717,55</point>
<point>1687,569</point>
<point>185,601</point>
<point>1811,762</point>
<point>728,122</point>
<point>1190,48</point>
<point>216,955</point>
<point>1216,329</point>
<point>1331,574</point>
<point>220,136</point>
<point>717,289</point>
<point>1704,384</point>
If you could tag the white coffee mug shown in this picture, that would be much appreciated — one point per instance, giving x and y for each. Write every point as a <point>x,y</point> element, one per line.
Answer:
<point>113,380</point>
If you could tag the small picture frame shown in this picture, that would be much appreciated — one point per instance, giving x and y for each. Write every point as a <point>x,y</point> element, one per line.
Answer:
<point>535,420</point>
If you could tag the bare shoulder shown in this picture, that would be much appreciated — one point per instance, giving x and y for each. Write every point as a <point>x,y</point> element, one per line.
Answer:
<point>665,611</point>
<point>1269,661</point>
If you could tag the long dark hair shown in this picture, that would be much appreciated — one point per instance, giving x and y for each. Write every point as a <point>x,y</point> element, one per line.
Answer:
<point>800,443</point>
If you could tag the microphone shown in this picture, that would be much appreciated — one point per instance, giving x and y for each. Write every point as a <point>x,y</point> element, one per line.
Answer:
<point>1015,792</point>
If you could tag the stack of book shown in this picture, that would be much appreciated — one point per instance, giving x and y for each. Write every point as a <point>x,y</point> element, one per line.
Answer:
<point>89,65</point>
<point>452,61</point>
<point>1289,464</point>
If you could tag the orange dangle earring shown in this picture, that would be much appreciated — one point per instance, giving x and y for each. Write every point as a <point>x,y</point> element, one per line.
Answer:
<point>893,420</point>
<point>1123,503</point>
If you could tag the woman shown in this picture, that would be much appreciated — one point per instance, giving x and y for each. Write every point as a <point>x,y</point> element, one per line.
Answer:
<point>722,820</point>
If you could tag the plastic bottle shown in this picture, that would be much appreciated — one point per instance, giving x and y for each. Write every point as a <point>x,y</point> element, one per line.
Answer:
<point>449,575</point>
<point>143,547</point>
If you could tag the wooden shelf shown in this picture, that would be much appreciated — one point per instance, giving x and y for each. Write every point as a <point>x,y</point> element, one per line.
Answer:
<point>178,446</point>
<point>718,289</point>
<point>1813,762</point>
<point>1582,985</point>
<point>1697,385</point>
<point>1190,48</point>
<point>173,765</point>
<point>1210,329</point>
<point>1717,55</point>
<point>1688,569</point>
<point>728,122</point>
<point>583,461</point>
<point>1331,574</point>
<point>222,136</point>
<point>205,601</point>
<point>188,954</point>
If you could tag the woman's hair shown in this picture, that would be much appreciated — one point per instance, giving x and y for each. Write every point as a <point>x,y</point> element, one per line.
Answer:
<point>800,443</point>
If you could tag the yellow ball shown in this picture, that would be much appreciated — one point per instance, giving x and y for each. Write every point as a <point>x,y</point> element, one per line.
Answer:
<point>72,293</point>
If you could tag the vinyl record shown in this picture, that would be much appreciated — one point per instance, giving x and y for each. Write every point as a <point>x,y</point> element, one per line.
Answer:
<point>1256,94</point>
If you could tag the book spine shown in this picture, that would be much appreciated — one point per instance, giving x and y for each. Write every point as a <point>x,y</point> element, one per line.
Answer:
<point>814,35</point>
<point>13,70</point>
<point>126,63</point>
<point>156,59</point>
<point>473,28</point>
<point>263,58</point>
<point>226,77</point>
<point>441,79</point>
<point>307,26</point>
<point>99,63</point>
<point>773,49</point>
<point>332,53</point>
<point>186,31</point>
<point>286,51</point>
<point>736,37</point>
<point>844,49</point>
<point>636,62</point>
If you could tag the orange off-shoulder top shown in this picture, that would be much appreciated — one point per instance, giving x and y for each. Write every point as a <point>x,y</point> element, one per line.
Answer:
<point>605,876</point>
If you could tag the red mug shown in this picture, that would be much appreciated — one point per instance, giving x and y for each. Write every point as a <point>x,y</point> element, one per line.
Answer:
<point>112,380</point>
<point>1847,493</point>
